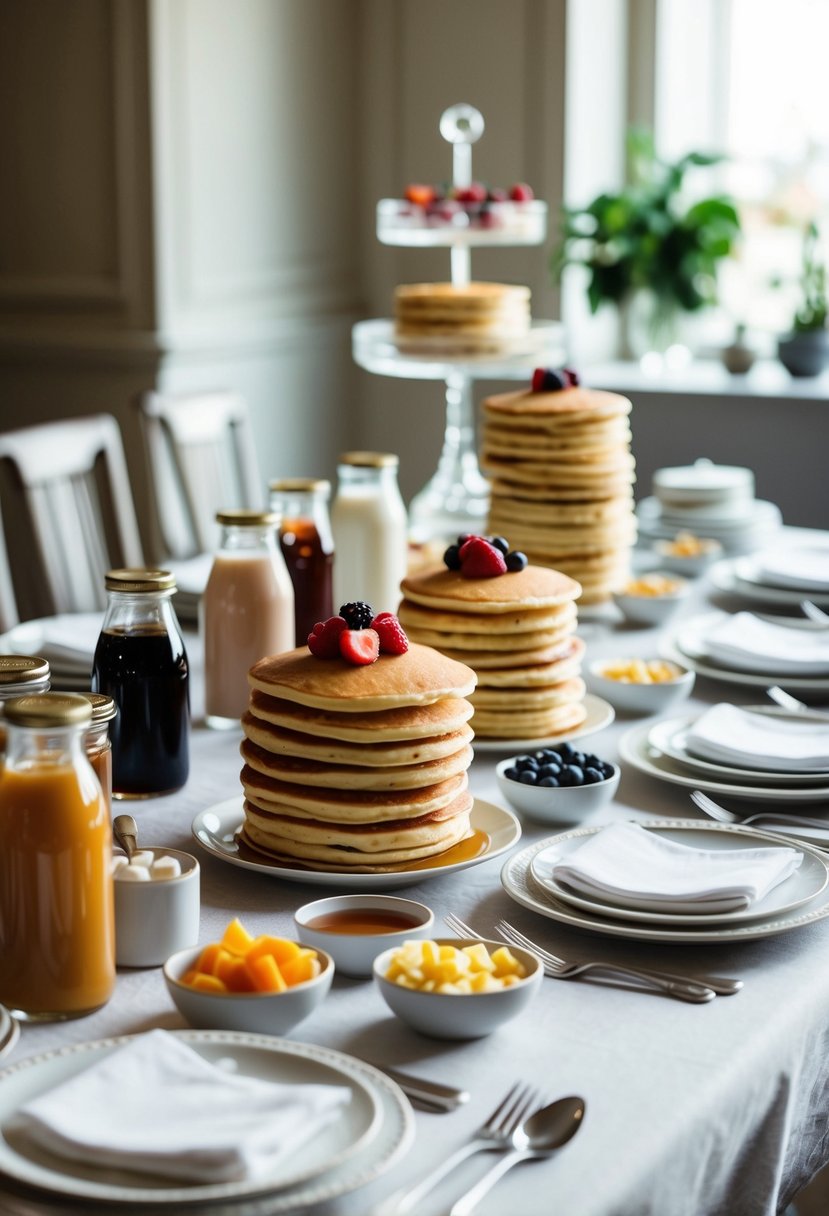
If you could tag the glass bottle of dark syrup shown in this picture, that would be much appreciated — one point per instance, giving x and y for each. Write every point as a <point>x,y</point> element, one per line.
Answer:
<point>140,662</point>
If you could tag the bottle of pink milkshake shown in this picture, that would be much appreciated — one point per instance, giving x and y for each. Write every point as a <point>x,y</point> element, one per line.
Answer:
<point>247,611</point>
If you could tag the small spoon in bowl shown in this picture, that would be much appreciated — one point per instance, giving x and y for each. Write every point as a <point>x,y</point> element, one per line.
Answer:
<point>125,831</point>
<point>537,1136</point>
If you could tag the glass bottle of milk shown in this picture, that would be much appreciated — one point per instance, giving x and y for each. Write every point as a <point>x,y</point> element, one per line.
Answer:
<point>247,611</point>
<point>368,519</point>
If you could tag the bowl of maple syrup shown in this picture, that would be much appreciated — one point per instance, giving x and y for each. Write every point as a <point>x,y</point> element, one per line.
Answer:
<point>354,929</point>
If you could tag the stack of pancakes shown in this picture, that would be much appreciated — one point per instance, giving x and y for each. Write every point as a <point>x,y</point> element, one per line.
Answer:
<point>444,318</point>
<point>357,769</point>
<point>562,482</point>
<point>517,631</point>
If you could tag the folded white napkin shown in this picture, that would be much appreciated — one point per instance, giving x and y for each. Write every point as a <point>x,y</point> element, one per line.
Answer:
<point>728,734</point>
<point>155,1106</point>
<point>804,567</point>
<point>747,643</point>
<point>626,865</point>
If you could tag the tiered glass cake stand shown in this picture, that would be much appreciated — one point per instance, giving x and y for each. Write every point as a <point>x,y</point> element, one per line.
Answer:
<point>456,498</point>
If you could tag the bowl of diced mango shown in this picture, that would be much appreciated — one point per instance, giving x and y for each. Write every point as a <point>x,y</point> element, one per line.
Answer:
<point>459,988</point>
<point>262,984</point>
<point>640,685</point>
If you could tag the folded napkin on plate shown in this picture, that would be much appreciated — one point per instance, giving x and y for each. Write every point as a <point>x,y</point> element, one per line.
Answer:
<point>156,1106</point>
<point>728,734</point>
<point>746,642</point>
<point>626,865</point>
<point>804,567</point>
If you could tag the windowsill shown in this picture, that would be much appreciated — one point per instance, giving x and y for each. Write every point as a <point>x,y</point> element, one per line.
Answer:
<point>708,378</point>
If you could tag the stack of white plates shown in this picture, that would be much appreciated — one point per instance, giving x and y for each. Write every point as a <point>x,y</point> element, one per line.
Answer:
<point>739,527</point>
<point>799,900</point>
<point>779,576</point>
<point>804,670</point>
<point>667,750</point>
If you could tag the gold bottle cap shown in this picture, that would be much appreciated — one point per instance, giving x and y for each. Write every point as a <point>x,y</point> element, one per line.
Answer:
<point>22,668</point>
<point>370,460</point>
<point>136,578</point>
<point>243,518</point>
<point>300,485</point>
<point>48,709</point>
<point>103,707</point>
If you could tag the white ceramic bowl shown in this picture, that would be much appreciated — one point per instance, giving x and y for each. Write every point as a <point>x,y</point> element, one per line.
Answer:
<point>459,1015</point>
<point>640,698</point>
<point>689,566</point>
<point>254,1012</point>
<point>354,952</point>
<point>557,804</point>
<point>652,609</point>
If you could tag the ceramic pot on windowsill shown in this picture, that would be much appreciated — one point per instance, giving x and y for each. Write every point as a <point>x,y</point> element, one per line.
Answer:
<point>804,353</point>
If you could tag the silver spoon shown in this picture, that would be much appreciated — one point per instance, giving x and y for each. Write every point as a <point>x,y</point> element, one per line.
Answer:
<point>786,701</point>
<point>814,613</point>
<point>538,1136</point>
<point>126,833</point>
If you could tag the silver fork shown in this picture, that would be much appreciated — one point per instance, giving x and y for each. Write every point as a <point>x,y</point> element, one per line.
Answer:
<point>494,1133</point>
<point>786,701</point>
<point>714,811</point>
<point>814,613</point>
<point>684,988</point>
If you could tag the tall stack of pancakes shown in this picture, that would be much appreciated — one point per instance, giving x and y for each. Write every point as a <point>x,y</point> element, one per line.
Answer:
<point>517,632</point>
<point>562,482</point>
<point>447,318</point>
<point>357,769</point>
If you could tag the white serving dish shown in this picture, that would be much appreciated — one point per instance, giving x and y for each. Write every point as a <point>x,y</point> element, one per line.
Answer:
<point>640,698</point>
<point>251,1012</point>
<point>652,609</point>
<point>460,1015</point>
<point>556,804</point>
<point>354,953</point>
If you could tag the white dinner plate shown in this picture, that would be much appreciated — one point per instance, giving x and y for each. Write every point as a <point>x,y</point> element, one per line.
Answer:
<point>670,736</point>
<point>726,576</point>
<point>216,830</point>
<point>636,750</point>
<point>807,881</point>
<point>599,715</point>
<point>686,645</point>
<point>9,1031</point>
<point>376,1129</point>
<point>519,884</point>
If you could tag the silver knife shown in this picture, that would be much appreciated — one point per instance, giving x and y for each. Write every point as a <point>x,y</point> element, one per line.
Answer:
<point>431,1094</point>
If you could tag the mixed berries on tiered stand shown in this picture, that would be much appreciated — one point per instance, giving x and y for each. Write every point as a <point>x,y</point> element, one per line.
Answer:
<point>481,206</point>
<point>483,557</point>
<point>357,635</point>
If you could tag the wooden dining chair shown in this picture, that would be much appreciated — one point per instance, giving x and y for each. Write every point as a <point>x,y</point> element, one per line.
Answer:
<point>202,459</point>
<point>66,516</point>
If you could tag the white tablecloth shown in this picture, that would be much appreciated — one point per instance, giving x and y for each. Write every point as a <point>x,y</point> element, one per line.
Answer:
<point>691,1110</point>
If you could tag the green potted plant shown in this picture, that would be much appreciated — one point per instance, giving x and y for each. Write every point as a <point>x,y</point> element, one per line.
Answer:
<point>805,350</point>
<point>646,248</point>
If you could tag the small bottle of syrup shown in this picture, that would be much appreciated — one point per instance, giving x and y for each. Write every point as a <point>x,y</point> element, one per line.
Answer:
<point>140,662</point>
<point>307,546</point>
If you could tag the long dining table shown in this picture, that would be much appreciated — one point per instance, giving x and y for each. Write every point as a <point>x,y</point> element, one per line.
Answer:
<point>691,1110</point>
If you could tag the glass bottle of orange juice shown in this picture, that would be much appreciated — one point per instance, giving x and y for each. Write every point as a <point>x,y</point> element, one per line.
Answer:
<point>57,938</point>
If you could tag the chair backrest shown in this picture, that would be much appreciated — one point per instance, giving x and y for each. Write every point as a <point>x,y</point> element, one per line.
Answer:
<point>66,516</point>
<point>202,459</point>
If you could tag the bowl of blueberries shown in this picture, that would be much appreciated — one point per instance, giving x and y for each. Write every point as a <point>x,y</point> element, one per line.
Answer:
<point>558,784</point>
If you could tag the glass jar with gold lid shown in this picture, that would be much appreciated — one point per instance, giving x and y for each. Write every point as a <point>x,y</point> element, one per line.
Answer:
<point>307,546</point>
<point>19,674</point>
<point>57,943</point>
<point>370,531</point>
<point>97,741</point>
<point>140,661</point>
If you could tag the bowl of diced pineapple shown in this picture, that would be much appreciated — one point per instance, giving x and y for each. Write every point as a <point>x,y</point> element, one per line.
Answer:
<point>651,598</point>
<point>687,554</point>
<point>262,984</point>
<point>458,988</point>
<point>640,685</point>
